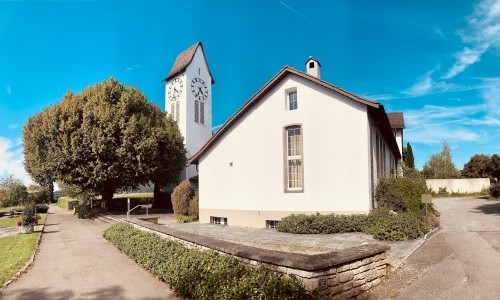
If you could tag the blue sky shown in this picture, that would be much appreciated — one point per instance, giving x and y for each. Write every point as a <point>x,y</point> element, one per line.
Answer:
<point>437,61</point>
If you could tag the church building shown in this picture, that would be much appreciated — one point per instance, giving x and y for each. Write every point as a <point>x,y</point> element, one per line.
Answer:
<point>298,145</point>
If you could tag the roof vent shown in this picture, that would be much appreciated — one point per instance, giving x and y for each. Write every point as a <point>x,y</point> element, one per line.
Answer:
<point>313,67</point>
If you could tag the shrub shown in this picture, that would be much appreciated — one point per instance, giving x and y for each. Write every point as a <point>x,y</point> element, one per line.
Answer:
<point>181,196</point>
<point>199,274</point>
<point>331,223</point>
<point>380,223</point>
<point>398,194</point>
<point>495,190</point>
<point>42,208</point>
<point>186,219</point>
<point>194,206</point>
<point>416,177</point>
<point>82,211</point>
<point>399,227</point>
<point>28,214</point>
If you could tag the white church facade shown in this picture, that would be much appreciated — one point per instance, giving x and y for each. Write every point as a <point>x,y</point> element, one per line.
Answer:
<point>299,145</point>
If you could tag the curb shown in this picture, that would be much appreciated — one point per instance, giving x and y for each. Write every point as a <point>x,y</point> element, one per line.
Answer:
<point>417,246</point>
<point>28,264</point>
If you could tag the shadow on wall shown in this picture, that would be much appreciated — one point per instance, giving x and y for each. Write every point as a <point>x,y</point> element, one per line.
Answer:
<point>489,209</point>
<point>111,292</point>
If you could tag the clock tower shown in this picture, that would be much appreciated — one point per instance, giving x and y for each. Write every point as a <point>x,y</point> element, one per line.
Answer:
<point>188,99</point>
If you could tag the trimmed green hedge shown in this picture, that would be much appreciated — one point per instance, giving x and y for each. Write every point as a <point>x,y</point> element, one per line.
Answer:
<point>381,224</point>
<point>202,274</point>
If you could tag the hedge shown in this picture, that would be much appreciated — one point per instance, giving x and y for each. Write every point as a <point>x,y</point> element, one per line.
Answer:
<point>199,274</point>
<point>381,224</point>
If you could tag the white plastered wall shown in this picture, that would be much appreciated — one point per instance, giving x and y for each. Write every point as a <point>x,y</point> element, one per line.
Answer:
<point>335,156</point>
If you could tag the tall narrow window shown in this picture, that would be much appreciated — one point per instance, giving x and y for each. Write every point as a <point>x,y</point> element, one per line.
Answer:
<point>174,110</point>
<point>294,167</point>
<point>177,111</point>
<point>292,101</point>
<point>197,111</point>
<point>202,113</point>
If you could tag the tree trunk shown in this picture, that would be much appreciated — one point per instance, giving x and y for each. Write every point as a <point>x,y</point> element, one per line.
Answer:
<point>107,196</point>
<point>51,189</point>
<point>161,199</point>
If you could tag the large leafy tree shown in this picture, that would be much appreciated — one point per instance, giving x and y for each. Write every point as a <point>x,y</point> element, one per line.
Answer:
<point>440,165</point>
<point>40,148</point>
<point>12,191</point>
<point>110,137</point>
<point>478,166</point>
<point>494,166</point>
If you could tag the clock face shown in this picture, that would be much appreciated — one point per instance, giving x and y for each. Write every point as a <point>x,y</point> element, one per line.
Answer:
<point>199,89</point>
<point>175,89</point>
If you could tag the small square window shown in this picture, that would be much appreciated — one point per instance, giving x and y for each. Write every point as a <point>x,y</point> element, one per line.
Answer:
<point>292,101</point>
<point>311,64</point>
<point>271,223</point>
<point>218,220</point>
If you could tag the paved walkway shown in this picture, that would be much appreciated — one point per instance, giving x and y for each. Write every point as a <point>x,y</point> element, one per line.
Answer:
<point>462,261</point>
<point>75,262</point>
<point>9,231</point>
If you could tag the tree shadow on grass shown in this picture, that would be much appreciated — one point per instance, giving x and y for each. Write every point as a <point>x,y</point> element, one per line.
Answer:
<point>489,209</point>
<point>111,292</point>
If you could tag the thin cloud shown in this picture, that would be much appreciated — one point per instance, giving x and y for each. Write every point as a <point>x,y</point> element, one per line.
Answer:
<point>8,90</point>
<point>128,69</point>
<point>13,126</point>
<point>432,124</point>
<point>427,85</point>
<point>482,34</point>
<point>11,160</point>
<point>295,11</point>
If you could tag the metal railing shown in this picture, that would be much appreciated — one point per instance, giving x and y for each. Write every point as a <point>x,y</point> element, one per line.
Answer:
<point>140,205</point>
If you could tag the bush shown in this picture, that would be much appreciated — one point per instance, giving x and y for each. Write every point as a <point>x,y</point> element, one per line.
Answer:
<point>28,214</point>
<point>82,211</point>
<point>194,207</point>
<point>495,190</point>
<point>66,202</point>
<point>380,223</point>
<point>331,223</point>
<point>416,177</point>
<point>399,227</point>
<point>41,208</point>
<point>399,195</point>
<point>181,196</point>
<point>186,219</point>
<point>199,274</point>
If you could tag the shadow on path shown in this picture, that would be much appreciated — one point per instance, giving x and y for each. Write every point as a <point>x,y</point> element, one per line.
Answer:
<point>489,209</point>
<point>111,292</point>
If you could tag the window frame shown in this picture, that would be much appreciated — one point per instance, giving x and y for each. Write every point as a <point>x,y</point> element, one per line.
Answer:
<point>218,220</point>
<point>287,158</point>
<point>288,92</point>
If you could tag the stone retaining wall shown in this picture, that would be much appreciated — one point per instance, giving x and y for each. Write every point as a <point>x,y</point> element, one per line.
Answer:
<point>337,274</point>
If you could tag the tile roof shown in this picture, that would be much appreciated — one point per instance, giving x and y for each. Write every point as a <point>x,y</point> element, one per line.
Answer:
<point>375,109</point>
<point>396,119</point>
<point>184,59</point>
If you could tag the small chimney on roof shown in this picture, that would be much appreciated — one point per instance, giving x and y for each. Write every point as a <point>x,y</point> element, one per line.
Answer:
<point>313,67</point>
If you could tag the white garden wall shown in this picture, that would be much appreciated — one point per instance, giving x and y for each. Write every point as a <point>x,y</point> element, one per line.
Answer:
<point>462,185</point>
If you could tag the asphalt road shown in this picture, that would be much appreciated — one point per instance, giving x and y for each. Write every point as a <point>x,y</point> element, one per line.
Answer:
<point>75,262</point>
<point>462,261</point>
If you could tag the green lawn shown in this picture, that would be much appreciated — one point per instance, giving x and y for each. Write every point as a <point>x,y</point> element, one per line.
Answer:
<point>133,195</point>
<point>9,208</point>
<point>12,221</point>
<point>15,252</point>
